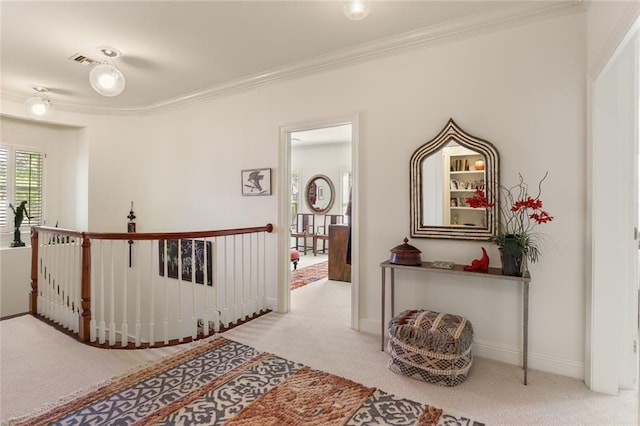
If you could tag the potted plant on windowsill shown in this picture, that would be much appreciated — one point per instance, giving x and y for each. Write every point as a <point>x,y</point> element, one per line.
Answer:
<point>520,215</point>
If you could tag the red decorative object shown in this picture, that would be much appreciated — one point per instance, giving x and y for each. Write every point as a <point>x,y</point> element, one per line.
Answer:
<point>295,257</point>
<point>479,265</point>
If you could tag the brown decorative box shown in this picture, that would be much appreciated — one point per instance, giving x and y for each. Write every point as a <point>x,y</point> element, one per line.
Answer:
<point>406,254</point>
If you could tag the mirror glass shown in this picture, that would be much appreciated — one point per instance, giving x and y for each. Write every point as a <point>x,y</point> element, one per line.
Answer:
<point>445,172</point>
<point>320,194</point>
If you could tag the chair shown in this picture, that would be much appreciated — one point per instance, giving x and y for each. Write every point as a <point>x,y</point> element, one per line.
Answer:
<point>305,228</point>
<point>323,231</point>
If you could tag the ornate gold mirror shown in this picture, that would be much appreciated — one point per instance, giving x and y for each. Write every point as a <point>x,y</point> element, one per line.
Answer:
<point>444,172</point>
<point>320,194</point>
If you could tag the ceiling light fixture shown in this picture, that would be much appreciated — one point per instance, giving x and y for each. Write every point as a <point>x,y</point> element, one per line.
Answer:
<point>357,9</point>
<point>105,78</point>
<point>39,105</point>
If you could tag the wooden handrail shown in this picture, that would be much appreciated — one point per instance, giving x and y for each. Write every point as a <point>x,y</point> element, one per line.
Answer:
<point>156,235</point>
<point>85,292</point>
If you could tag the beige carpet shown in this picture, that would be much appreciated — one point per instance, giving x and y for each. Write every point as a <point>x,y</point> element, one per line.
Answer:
<point>38,365</point>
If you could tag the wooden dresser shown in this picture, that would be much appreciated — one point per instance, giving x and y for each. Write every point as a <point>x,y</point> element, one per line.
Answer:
<point>339,270</point>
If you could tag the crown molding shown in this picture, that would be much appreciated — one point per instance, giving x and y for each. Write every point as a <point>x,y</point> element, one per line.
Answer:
<point>519,15</point>
<point>629,23</point>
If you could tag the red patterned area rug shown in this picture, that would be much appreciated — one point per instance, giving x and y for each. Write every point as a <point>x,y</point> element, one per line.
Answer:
<point>304,276</point>
<point>220,381</point>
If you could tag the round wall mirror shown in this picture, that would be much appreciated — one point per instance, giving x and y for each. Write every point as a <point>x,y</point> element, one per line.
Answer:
<point>320,194</point>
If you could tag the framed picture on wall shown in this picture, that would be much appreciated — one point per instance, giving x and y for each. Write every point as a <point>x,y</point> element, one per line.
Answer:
<point>256,182</point>
<point>189,257</point>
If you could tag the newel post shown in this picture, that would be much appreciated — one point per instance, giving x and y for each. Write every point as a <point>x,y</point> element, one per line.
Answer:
<point>33,296</point>
<point>85,296</point>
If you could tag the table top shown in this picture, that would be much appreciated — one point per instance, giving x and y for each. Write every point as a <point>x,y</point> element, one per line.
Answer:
<point>493,273</point>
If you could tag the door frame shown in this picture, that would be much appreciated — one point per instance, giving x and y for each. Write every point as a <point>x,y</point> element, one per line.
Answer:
<point>611,359</point>
<point>283,294</point>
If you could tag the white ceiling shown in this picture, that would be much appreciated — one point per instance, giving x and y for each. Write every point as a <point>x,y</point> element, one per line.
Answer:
<point>324,135</point>
<point>178,51</point>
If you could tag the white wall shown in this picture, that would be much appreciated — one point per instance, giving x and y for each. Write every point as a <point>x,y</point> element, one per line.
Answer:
<point>522,89</point>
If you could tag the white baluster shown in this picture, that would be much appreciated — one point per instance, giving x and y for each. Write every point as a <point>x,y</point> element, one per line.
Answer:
<point>205,289</point>
<point>103,324</point>
<point>152,298</point>
<point>180,283</point>
<point>112,298</point>
<point>215,285</point>
<point>225,284</point>
<point>166,291</point>
<point>124,337</point>
<point>194,317</point>
<point>243,283</point>
<point>252,291</point>
<point>93,324</point>
<point>42,277</point>
<point>68,285</point>
<point>138,292</point>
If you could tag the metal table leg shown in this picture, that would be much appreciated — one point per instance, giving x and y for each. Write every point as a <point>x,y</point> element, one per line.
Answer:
<point>525,331</point>
<point>383,300</point>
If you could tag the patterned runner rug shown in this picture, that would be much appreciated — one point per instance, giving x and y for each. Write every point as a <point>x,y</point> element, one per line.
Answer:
<point>304,276</point>
<point>224,382</point>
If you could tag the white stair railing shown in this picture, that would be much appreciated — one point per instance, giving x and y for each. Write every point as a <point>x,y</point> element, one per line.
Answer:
<point>178,287</point>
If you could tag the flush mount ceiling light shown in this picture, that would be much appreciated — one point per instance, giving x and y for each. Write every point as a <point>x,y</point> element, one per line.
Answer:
<point>357,9</point>
<point>105,78</point>
<point>39,105</point>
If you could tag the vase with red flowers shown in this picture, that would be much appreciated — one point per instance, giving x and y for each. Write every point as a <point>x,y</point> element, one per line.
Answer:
<point>520,215</point>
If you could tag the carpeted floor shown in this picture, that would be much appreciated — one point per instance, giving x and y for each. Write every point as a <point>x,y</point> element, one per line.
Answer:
<point>221,381</point>
<point>39,366</point>
<point>304,276</point>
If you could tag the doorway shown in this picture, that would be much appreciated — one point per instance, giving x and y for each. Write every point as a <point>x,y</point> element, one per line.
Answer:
<point>318,179</point>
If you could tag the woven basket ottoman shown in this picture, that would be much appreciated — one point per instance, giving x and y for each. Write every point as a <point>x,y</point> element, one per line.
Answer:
<point>431,346</point>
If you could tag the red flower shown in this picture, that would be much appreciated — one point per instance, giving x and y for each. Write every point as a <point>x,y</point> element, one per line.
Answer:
<point>529,203</point>
<point>542,217</point>
<point>479,199</point>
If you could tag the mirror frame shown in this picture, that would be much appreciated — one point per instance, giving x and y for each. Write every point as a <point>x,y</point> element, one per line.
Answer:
<point>306,194</point>
<point>452,132</point>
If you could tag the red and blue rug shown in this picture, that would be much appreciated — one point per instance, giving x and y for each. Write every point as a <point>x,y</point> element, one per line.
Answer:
<point>304,276</point>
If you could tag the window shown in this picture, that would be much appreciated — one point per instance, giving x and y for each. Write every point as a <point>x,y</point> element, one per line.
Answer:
<point>21,179</point>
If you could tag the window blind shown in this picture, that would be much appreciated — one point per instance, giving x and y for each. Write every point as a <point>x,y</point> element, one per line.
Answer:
<point>21,179</point>
<point>28,184</point>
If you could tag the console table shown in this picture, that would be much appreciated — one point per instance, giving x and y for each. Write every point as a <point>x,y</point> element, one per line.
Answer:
<point>493,273</point>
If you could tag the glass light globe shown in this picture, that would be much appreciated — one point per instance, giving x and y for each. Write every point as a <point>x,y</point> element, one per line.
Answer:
<point>38,107</point>
<point>357,9</point>
<point>107,80</point>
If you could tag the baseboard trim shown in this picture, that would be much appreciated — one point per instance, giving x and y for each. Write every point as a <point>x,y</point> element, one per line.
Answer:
<point>508,354</point>
<point>536,361</point>
<point>14,316</point>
